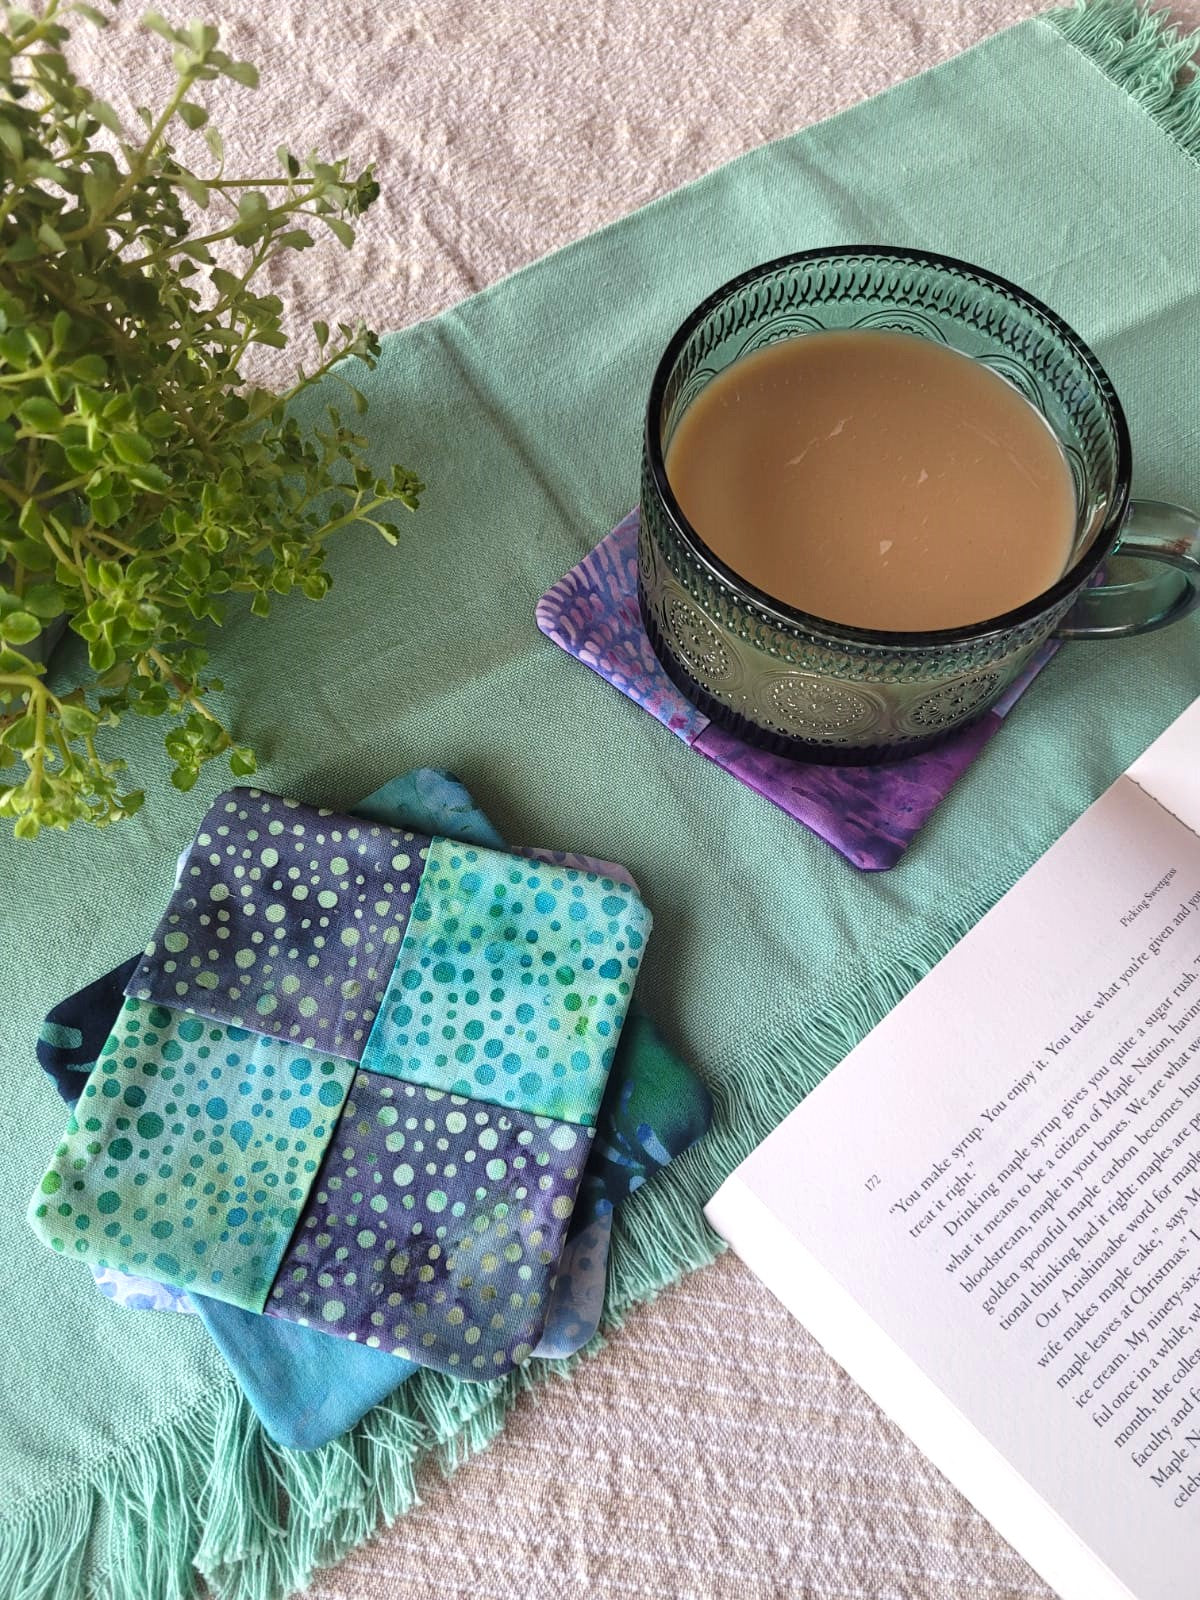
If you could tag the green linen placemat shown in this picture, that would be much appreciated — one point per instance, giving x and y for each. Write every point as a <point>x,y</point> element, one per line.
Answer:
<point>1060,154</point>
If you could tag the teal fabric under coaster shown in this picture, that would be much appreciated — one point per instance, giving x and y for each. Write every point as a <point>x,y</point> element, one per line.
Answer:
<point>190,1153</point>
<point>512,982</point>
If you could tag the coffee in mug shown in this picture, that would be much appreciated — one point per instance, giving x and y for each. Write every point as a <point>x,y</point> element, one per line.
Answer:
<point>876,479</point>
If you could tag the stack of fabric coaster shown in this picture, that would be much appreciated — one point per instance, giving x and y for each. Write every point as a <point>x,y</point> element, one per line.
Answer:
<point>356,1083</point>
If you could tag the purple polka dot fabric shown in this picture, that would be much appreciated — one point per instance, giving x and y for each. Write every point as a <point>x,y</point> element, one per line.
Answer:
<point>434,1228</point>
<point>286,920</point>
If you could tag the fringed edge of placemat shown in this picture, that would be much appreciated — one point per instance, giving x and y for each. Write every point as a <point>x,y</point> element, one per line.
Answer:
<point>1144,53</point>
<point>209,1496</point>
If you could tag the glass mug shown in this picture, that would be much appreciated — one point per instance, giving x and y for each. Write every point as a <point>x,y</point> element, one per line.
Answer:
<point>821,691</point>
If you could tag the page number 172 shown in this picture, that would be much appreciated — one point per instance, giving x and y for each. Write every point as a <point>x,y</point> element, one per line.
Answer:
<point>872,1182</point>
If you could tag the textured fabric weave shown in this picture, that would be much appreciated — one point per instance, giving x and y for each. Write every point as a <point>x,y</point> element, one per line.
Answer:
<point>523,408</point>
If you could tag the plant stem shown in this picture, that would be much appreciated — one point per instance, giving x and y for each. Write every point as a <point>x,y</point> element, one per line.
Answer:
<point>137,167</point>
<point>29,372</point>
<point>93,533</point>
<point>56,550</point>
<point>213,315</point>
<point>63,488</point>
<point>165,252</point>
<point>38,760</point>
<point>22,680</point>
<point>326,366</point>
<point>248,183</point>
<point>277,213</point>
<point>167,672</point>
<point>22,41</point>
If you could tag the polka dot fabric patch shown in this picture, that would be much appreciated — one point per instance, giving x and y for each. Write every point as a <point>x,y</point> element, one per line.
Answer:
<point>483,994</point>
<point>434,1228</point>
<point>512,982</point>
<point>190,1153</point>
<point>287,921</point>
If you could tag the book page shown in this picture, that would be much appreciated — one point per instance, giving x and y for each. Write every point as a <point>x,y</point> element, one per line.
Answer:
<point>1169,771</point>
<point>1005,1177</point>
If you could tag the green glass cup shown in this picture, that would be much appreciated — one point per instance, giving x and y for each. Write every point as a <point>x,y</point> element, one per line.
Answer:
<point>816,690</point>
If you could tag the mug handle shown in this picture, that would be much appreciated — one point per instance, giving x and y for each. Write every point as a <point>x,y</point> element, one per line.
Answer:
<point>1156,531</point>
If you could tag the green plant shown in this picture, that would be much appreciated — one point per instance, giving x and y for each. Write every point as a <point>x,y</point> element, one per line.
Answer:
<point>142,481</point>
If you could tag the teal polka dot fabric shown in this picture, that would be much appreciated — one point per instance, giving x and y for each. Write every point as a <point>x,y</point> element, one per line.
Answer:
<point>512,982</point>
<point>190,1154</point>
<point>434,1228</point>
<point>286,920</point>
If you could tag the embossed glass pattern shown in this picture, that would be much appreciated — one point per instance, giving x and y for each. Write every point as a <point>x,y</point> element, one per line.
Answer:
<point>817,690</point>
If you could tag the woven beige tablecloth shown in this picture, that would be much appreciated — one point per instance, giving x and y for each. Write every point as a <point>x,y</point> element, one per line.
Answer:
<point>712,1450</point>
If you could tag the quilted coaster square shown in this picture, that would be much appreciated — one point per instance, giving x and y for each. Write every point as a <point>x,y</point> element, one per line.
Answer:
<point>190,1153</point>
<point>434,1228</point>
<point>869,814</point>
<point>286,920</point>
<point>209,1155</point>
<point>512,982</point>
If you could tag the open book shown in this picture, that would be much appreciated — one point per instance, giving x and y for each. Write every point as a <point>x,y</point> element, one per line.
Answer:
<point>989,1213</point>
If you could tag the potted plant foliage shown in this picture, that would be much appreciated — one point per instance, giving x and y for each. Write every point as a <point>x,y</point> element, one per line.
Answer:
<point>144,485</point>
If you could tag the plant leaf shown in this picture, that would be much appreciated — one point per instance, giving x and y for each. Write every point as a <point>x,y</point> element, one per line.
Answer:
<point>19,627</point>
<point>19,735</point>
<point>40,415</point>
<point>89,369</point>
<point>132,448</point>
<point>45,600</point>
<point>193,188</point>
<point>100,109</point>
<point>159,24</point>
<point>30,520</point>
<point>149,477</point>
<point>78,721</point>
<point>243,72</point>
<point>253,208</point>
<point>101,655</point>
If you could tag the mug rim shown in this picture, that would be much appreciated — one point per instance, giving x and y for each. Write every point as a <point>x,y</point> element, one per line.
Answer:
<point>1072,580</point>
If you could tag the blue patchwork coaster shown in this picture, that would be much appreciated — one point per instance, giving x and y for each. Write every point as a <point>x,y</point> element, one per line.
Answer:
<point>476,994</point>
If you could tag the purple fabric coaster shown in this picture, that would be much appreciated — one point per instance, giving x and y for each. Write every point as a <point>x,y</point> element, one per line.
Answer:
<point>870,814</point>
